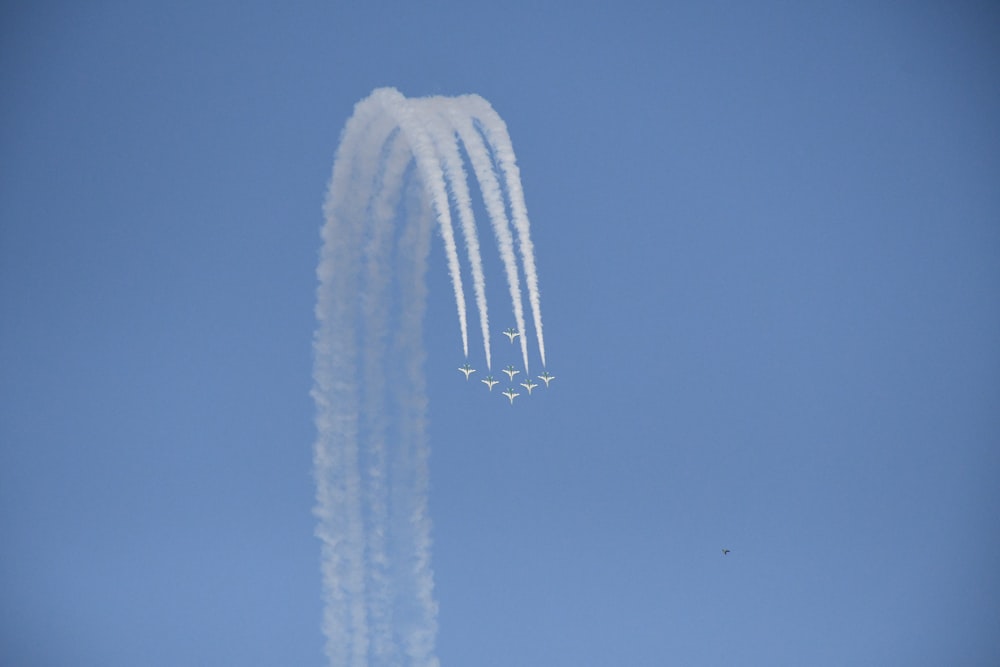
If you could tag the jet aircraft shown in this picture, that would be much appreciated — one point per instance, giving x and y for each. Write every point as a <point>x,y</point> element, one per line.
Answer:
<point>529,385</point>
<point>489,382</point>
<point>511,372</point>
<point>512,333</point>
<point>546,378</point>
<point>510,393</point>
<point>467,369</point>
<point>725,551</point>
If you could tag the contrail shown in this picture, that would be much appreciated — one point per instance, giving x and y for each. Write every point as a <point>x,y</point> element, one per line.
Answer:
<point>446,142</point>
<point>397,174</point>
<point>489,185</point>
<point>496,132</point>
<point>415,131</point>
<point>335,392</point>
<point>376,302</point>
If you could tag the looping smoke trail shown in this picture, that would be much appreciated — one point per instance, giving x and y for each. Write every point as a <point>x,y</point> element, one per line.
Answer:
<point>398,172</point>
<point>496,133</point>
<point>447,143</point>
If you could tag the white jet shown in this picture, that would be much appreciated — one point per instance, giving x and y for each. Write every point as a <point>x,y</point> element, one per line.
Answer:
<point>511,394</point>
<point>511,372</point>
<point>511,333</point>
<point>467,369</point>
<point>546,378</point>
<point>529,385</point>
<point>490,382</point>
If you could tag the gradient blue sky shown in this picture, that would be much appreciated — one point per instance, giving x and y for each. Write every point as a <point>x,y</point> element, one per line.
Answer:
<point>768,240</point>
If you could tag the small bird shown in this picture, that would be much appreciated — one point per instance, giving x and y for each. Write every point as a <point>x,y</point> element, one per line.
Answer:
<point>725,551</point>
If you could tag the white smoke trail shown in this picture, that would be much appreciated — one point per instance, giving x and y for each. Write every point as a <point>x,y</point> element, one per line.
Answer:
<point>376,301</point>
<point>482,165</point>
<point>496,133</point>
<point>418,609</point>
<point>396,165</point>
<point>405,115</point>
<point>335,392</point>
<point>446,143</point>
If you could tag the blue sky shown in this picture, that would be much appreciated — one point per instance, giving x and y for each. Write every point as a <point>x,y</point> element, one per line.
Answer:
<point>768,241</point>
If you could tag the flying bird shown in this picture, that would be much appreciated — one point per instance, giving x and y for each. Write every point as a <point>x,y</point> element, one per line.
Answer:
<point>725,551</point>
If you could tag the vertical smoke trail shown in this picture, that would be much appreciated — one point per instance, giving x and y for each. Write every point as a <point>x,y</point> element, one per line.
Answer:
<point>402,110</point>
<point>446,143</point>
<point>489,185</point>
<point>496,133</point>
<point>377,300</point>
<point>335,392</point>
<point>397,172</point>
<point>417,616</point>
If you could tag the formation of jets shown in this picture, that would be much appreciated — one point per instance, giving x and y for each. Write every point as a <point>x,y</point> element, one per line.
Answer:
<point>491,382</point>
<point>509,393</point>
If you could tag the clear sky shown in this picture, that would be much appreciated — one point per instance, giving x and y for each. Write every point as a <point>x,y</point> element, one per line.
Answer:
<point>768,242</point>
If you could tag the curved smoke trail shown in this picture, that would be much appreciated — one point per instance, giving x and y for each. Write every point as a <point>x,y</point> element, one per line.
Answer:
<point>398,173</point>
<point>489,185</point>
<point>499,139</point>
